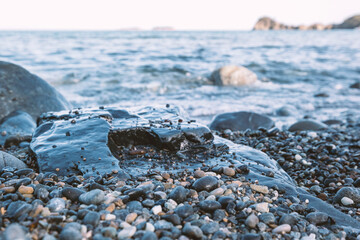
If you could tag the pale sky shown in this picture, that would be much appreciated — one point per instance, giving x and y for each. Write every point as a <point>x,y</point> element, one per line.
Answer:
<point>180,14</point>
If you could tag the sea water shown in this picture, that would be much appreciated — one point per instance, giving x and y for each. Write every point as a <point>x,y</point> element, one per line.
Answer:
<point>139,68</point>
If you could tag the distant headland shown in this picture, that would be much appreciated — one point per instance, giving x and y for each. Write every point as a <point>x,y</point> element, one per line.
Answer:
<point>267,23</point>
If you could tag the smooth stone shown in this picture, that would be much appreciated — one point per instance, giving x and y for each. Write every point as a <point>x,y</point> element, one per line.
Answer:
<point>163,225</point>
<point>15,232</point>
<point>267,218</point>
<point>349,192</point>
<point>289,219</point>
<point>259,188</point>
<point>18,126</point>
<point>70,234</point>
<point>217,192</point>
<point>307,125</point>
<point>18,210</point>
<point>209,205</point>
<point>178,194</point>
<point>156,209</point>
<point>148,203</point>
<point>134,206</point>
<point>262,207</point>
<point>131,217</point>
<point>251,221</point>
<point>72,193</point>
<point>233,76</point>
<point>173,218</point>
<point>347,201</point>
<point>170,205</point>
<point>126,233</point>
<point>286,111</point>
<point>284,228</point>
<point>18,92</point>
<point>317,218</point>
<point>149,227</point>
<point>25,189</point>
<point>355,85</point>
<point>7,160</point>
<point>95,196</point>
<point>251,236</point>
<point>206,183</point>
<point>92,218</point>
<point>56,204</point>
<point>199,174</point>
<point>210,228</point>
<point>241,121</point>
<point>194,232</point>
<point>109,232</point>
<point>184,211</point>
<point>225,200</point>
<point>149,236</point>
<point>229,171</point>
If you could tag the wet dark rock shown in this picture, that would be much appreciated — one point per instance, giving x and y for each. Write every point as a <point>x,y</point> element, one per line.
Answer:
<point>219,215</point>
<point>193,232</point>
<point>149,236</point>
<point>206,183</point>
<point>92,218</point>
<point>109,232</point>
<point>70,233</point>
<point>7,160</point>
<point>355,85</point>
<point>209,205</point>
<point>350,192</point>
<point>317,218</point>
<point>86,141</point>
<point>18,210</point>
<point>15,128</point>
<point>307,125</point>
<point>93,197</point>
<point>225,200</point>
<point>241,121</point>
<point>72,193</point>
<point>18,92</point>
<point>251,236</point>
<point>210,228</point>
<point>288,219</point>
<point>178,194</point>
<point>184,211</point>
<point>267,218</point>
<point>173,218</point>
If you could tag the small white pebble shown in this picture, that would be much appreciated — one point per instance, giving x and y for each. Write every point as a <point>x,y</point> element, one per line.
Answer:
<point>298,157</point>
<point>156,209</point>
<point>306,201</point>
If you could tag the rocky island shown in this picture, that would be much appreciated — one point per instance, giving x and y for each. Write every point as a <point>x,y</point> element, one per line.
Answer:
<point>267,23</point>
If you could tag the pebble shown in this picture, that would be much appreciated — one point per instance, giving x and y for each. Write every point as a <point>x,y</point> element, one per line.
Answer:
<point>251,221</point>
<point>126,233</point>
<point>199,174</point>
<point>209,205</point>
<point>109,232</point>
<point>25,190</point>
<point>92,218</point>
<point>15,232</point>
<point>72,193</point>
<point>206,183</point>
<point>178,194</point>
<point>349,192</point>
<point>70,234</point>
<point>210,228</point>
<point>184,211</point>
<point>149,236</point>
<point>156,209</point>
<point>317,218</point>
<point>267,218</point>
<point>170,204</point>
<point>251,236</point>
<point>193,232</point>
<point>347,201</point>
<point>262,207</point>
<point>95,196</point>
<point>56,204</point>
<point>260,188</point>
<point>229,171</point>
<point>163,225</point>
<point>217,192</point>
<point>149,227</point>
<point>284,228</point>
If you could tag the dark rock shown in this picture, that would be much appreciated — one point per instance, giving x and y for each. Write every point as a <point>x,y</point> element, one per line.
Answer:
<point>178,194</point>
<point>206,183</point>
<point>219,215</point>
<point>286,111</point>
<point>84,141</point>
<point>72,193</point>
<point>349,23</point>
<point>184,211</point>
<point>193,232</point>
<point>149,236</point>
<point>288,219</point>
<point>134,206</point>
<point>210,228</point>
<point>92,218</point>
<point>209,205</point>
<point>233,76</point>
<point>70,234</point>
<point>173,218</point>
<point>307,125</point>
<point>7,160</point>
<point>240,121</point>
<point>355,85</point>
<point>317,218</point>
<point>225,200</point>
<point>15,128</point>
<point>21,90</point>
<point>251,236</point>
<point>350,192</point>
<point>18,210</point>
<point>109,232</point>
<point>93,197</point>
<point>267,218</point>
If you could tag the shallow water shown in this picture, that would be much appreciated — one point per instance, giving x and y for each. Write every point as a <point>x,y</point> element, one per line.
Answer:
<point>128,69</point>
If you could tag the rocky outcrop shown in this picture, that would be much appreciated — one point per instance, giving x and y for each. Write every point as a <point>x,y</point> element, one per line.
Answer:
<point>233,76</point>
<point>266,23</point>
<point>7,160</point>
<point>21,90</point>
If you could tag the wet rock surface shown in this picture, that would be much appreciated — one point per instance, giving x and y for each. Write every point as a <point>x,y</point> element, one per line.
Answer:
<point>241,121</point>
<point>21,90</point>
<point>305,125</point>
<point>7,160</point>
<point>233,76</point>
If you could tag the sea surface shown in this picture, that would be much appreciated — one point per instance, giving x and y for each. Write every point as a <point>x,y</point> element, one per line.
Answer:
<point>128,69</point>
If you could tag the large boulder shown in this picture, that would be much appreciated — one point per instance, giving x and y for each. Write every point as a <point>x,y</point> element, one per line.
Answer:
<point>7,160</point>
<point>21,90</point>
<point>307,125</point>
<point>15,128</point>
<point>349,23</point>
<point>241,121</point>
<point>233,76</point>
<point>266,23</point>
